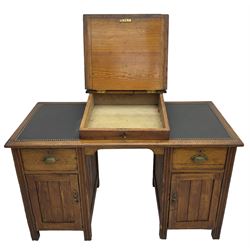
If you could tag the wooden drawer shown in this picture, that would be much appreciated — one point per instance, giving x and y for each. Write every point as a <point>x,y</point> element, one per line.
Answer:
<point>49,159</point>
<point>195,158</point>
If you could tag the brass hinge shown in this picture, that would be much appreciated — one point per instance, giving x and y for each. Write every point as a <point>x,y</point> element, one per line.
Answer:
<point>95,91</point>
<point>125,91</point>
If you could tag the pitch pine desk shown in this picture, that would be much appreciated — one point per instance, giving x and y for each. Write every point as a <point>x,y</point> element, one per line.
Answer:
<point>58,173</point>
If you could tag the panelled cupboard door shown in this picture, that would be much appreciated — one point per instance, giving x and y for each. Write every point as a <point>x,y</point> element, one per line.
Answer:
<point>55,201</point>
<point>194,200</point>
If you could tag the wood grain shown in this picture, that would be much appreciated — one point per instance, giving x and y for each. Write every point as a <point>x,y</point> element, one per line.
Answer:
<point>53,202</point>
<point>197,197</point>
<point>87,111</point>
<point>207,217</point>
<point>165,191</point>
<point>182,158</point>
<point>84,193</point>
<point>126,98</point>
<point>34,159</point>
<point>125,56</point>
<point>163,112</point>
<point>129,60</point>
<point>224,192</point>
<point>31,220</point>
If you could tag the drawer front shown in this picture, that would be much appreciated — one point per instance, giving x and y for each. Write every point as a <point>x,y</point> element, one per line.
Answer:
<point>49,159</point>
<point>193,158</point>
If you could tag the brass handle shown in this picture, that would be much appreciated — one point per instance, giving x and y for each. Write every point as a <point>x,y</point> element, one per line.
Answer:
<point>49,160</point>
<point>124,136</point>
<point>200,158</point>
<point>174,197</point>
<point>75,196</point>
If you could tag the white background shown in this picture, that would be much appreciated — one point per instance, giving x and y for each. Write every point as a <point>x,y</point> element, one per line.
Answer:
<point>41,59</point>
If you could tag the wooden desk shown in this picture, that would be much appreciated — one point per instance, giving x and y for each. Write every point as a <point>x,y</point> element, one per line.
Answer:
<point>58,173</point>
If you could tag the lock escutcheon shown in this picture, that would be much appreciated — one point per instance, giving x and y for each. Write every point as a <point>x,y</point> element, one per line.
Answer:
<point>174,197</point>
<point>75,196</point>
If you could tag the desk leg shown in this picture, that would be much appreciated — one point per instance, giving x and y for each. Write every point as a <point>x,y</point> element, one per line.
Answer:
<point>89,181</point>
<point>34,233</point>
<point>224,192</point>
<point>161,182</point>
<point>154,170</point>
<point>97,169</point>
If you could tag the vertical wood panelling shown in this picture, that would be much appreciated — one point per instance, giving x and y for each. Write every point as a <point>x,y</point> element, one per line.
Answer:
<point>194,200</point>
<point>183,200</point>
<point>44,200</point>
<point>205,199</point>
<point>66,197</point>
<point>53,202</point>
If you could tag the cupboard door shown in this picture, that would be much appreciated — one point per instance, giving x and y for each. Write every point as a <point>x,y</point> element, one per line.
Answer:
<point>55,201</point>
<point>194,200</point>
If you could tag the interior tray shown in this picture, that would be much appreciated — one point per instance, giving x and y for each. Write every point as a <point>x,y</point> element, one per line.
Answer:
<point>125,116</point>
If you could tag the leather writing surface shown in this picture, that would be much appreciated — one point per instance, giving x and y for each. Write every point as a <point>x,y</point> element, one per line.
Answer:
<point>194,121</point>
<point>54,121</point>
<point>61,121</point>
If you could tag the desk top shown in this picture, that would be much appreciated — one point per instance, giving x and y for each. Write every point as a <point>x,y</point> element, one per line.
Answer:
<point>57,124</point>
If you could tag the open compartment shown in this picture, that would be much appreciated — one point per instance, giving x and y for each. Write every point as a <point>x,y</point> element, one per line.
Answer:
<point>125,62</point>
<point>125,116</point>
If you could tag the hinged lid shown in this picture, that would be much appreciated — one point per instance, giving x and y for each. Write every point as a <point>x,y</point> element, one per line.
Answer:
<point>125,52</point>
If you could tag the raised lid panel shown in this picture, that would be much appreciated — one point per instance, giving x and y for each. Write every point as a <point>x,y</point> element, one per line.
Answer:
<point>126,52</point>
